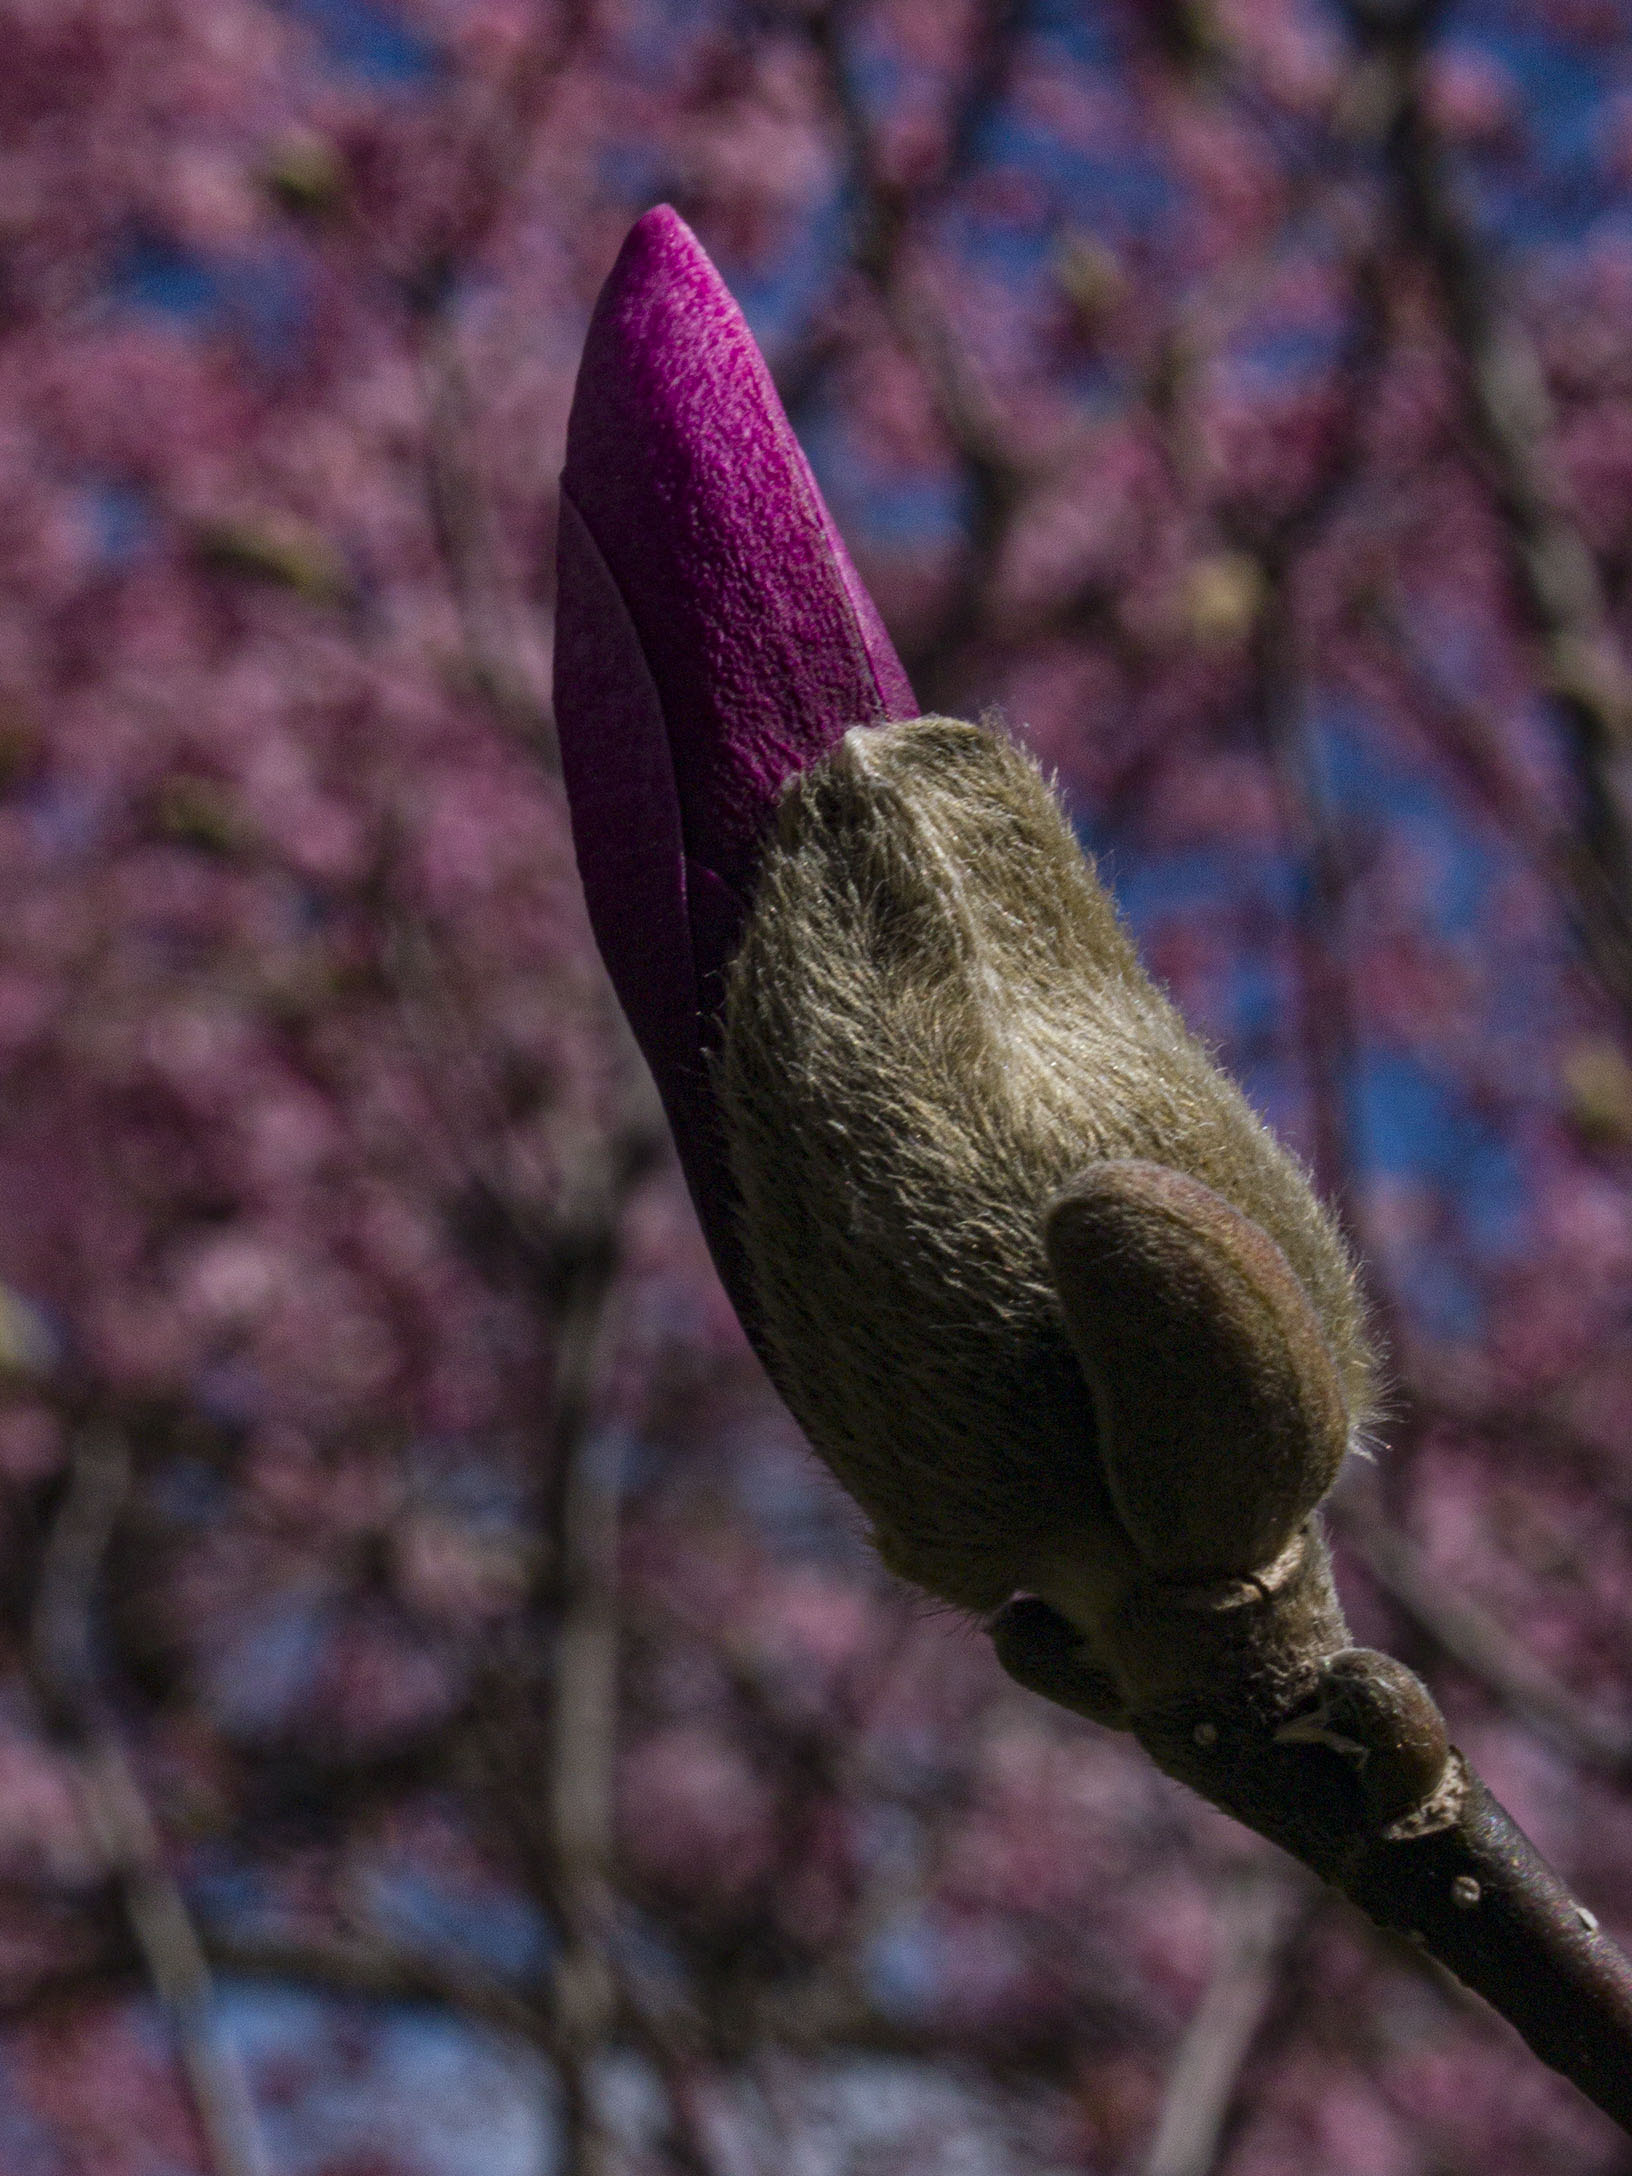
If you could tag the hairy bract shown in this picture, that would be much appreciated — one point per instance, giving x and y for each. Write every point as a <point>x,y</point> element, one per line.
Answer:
<point>934,1022</point>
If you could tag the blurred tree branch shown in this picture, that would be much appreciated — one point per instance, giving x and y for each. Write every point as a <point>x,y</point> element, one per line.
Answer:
<point>1572,1998</point>
<point>1478,1640</point>
<point>1260,1914</point>
<point>491,614</point>
<point>563,1832</point>
<point>887,214</point>
<point>371,1965</point>
<point>579,1782</point>
<point>502,130</point>
<point>67,1679</point>
<point>1511,422</point>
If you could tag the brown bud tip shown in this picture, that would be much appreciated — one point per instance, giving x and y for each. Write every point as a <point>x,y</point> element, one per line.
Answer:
<point>1372,1712</point>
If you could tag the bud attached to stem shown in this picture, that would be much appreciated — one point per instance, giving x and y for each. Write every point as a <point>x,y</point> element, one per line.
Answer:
<point>1043,1292</point>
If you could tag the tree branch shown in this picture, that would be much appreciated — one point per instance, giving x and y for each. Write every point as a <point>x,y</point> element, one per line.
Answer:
<point>1259,1915</point>
<point>1510,418</point>
<point>579,1783</point>
<point>1479,1641</point>
<point>66,1676</point>
<point>382,1970</point>
<point>1455,1874</point>
<point>886,216</point>
<point>490,612</point>
<point>493,618</point>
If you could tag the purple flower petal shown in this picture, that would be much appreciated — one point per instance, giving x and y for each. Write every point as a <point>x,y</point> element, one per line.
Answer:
<point>712,638</point>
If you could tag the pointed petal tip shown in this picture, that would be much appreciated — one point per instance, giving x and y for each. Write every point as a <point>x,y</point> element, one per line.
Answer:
<point>762,641</point>
<point>663,312</point>
<point>659,255</point>
<point>662,232</point>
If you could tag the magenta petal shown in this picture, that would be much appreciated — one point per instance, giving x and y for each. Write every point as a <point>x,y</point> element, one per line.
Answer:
<point>625,815</point>
<point>712,639</point>
<point>761,641</point>
<point>626,827</point>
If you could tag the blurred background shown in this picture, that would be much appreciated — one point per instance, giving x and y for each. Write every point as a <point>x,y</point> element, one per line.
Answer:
<point>449,1726</point>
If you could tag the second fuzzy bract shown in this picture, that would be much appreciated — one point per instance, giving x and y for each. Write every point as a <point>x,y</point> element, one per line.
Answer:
<point>934,1023</point>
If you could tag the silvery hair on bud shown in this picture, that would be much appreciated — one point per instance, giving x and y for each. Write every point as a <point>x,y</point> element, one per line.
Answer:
<point>935,1023</point>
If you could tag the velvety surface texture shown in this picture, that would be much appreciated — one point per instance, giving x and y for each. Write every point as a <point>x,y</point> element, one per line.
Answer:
<point>712,639</point>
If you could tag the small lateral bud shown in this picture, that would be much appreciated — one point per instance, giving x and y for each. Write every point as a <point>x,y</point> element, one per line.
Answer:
<point>1374,1713</point>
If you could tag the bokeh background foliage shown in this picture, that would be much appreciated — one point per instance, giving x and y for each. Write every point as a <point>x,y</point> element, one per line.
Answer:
<point>447,1723</point>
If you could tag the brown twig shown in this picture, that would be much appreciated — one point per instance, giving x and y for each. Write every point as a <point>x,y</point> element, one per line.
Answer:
<point>66,1675</point>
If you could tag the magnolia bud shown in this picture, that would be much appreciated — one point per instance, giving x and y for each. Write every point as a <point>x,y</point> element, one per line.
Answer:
<point>1043,1292</point>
